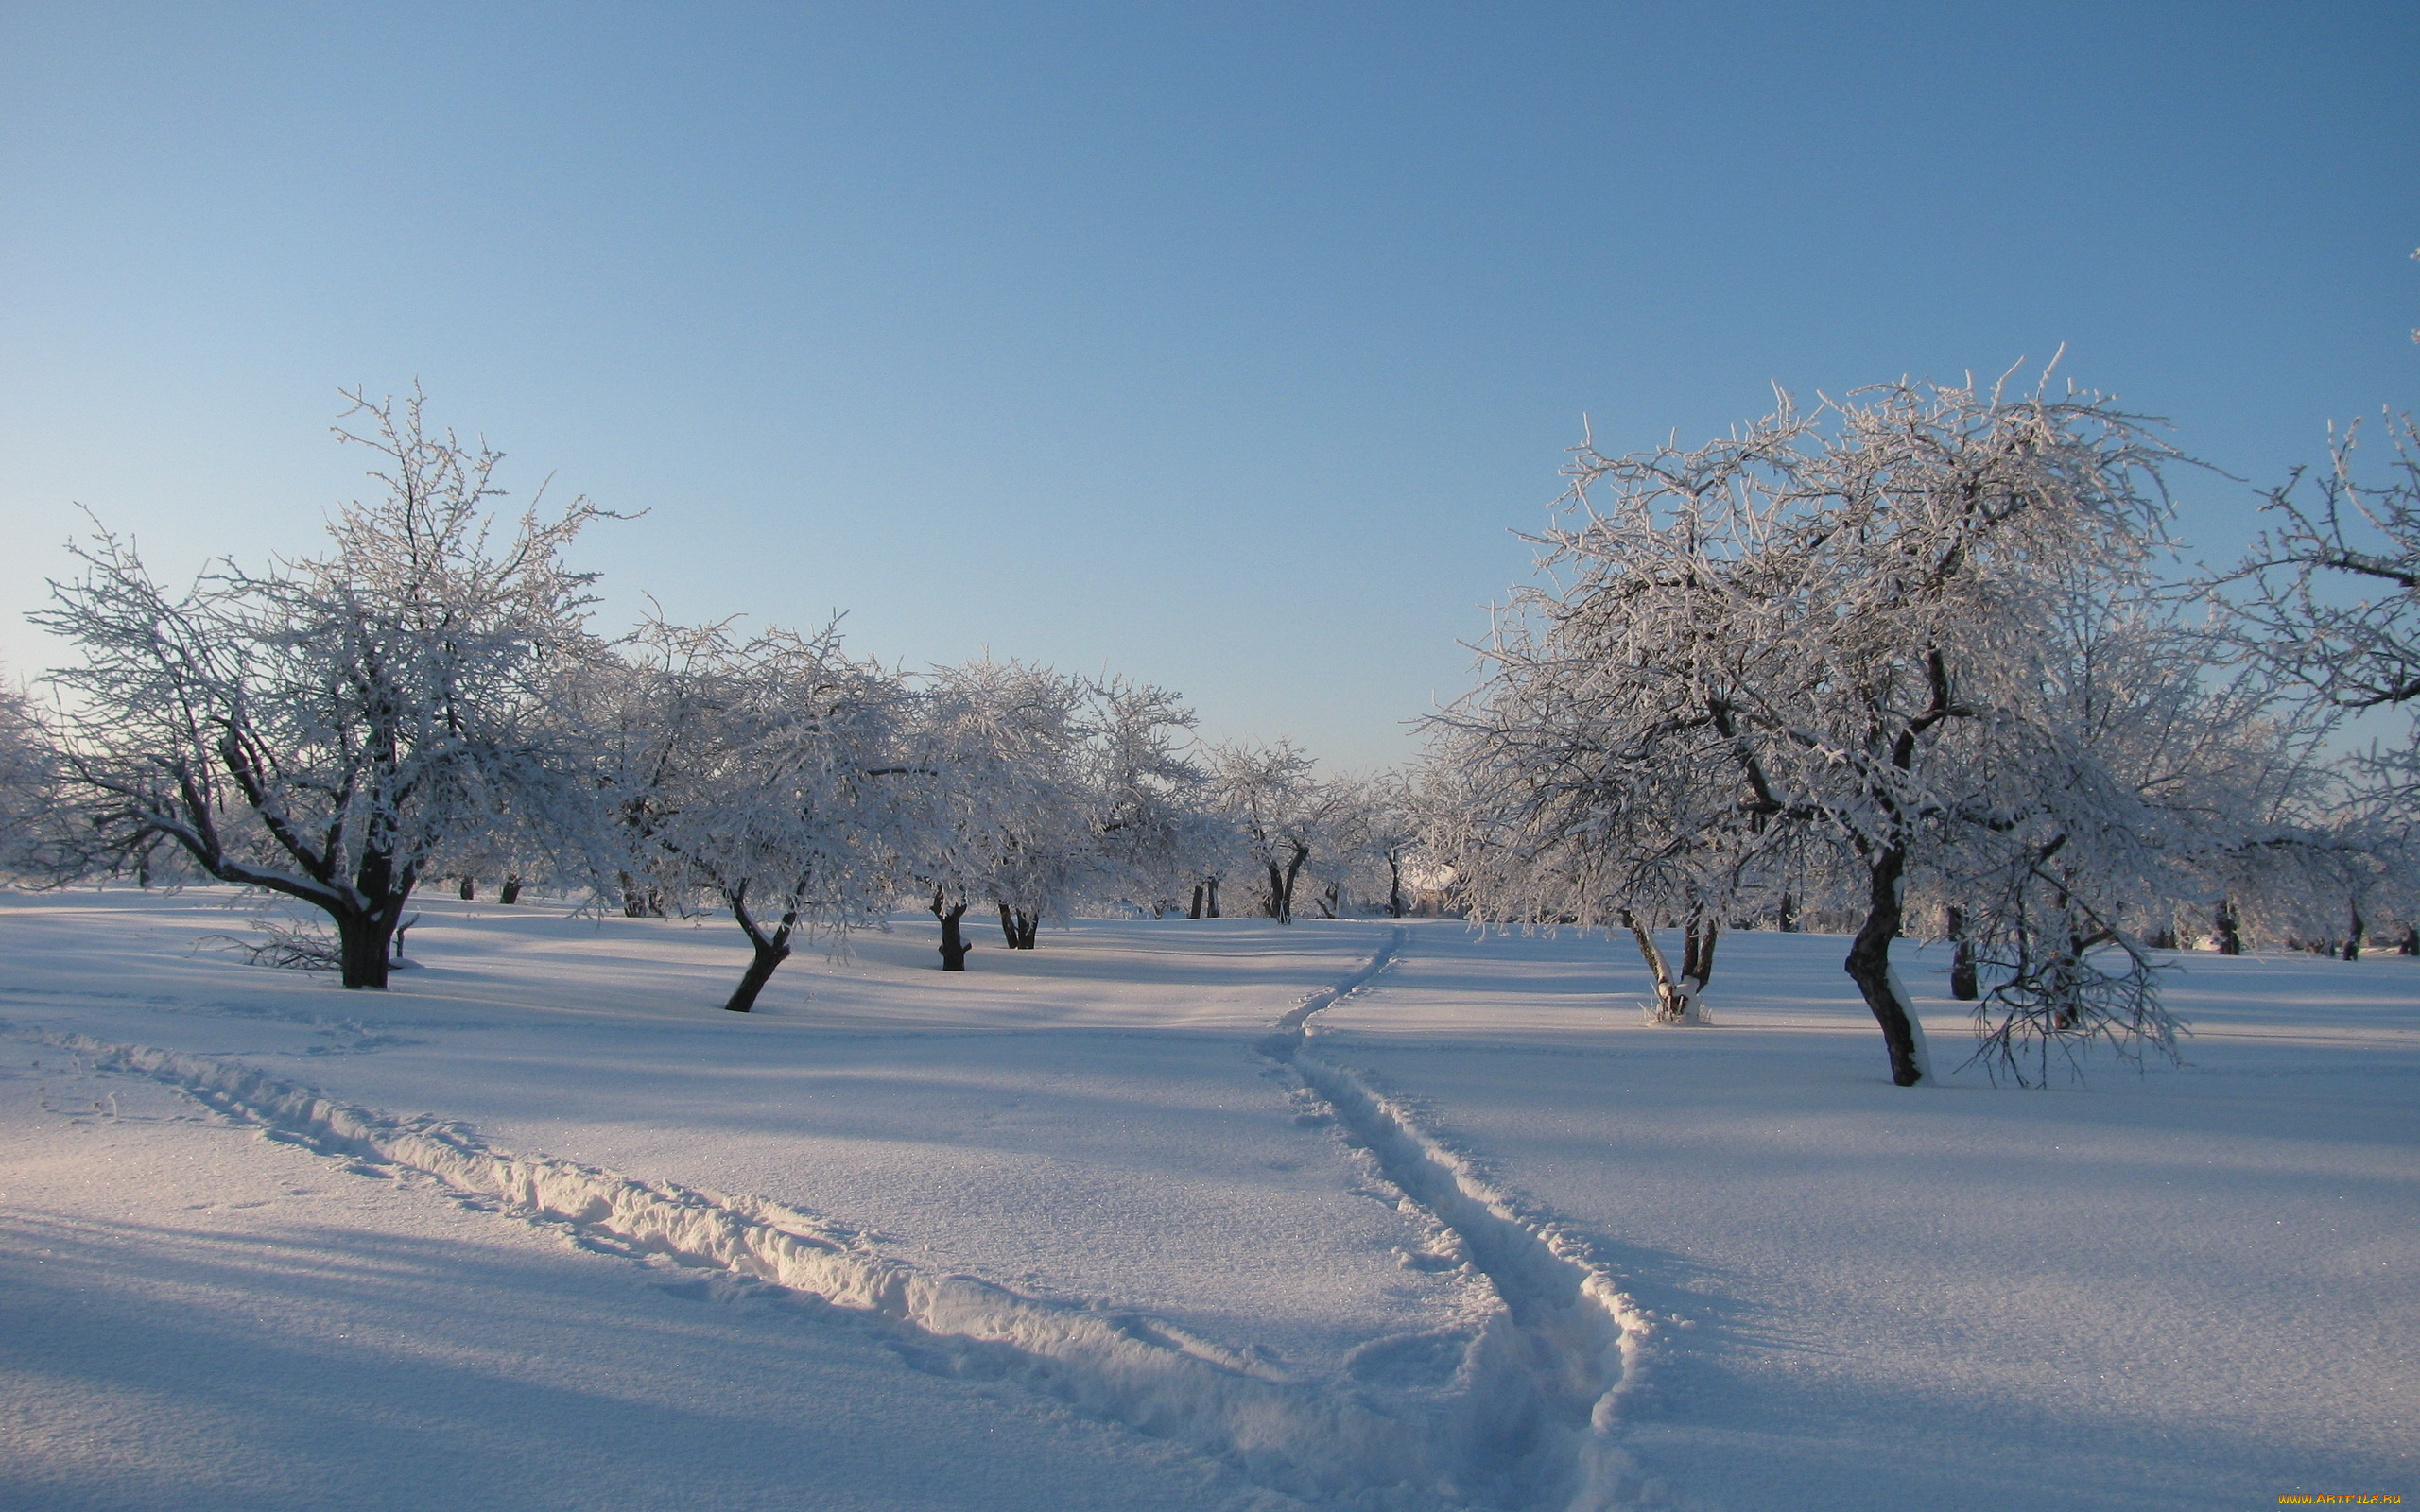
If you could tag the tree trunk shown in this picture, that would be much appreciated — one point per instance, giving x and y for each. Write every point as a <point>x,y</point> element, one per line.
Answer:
<point>1962,985</point>
<point>1675,1001</point>
<point>1197,901</point>
<point>2228,926</point>
<point>2411,945</point>
<point>1394,888</point>
<point>470,888</point>
<point>1213,884</point>
<point>1787,920</point>
<point>1869,966</point>
<point>770,951</point>
<point>1281,903</point>
<point>760,970</point>
<point>1697,954</point>
<point>1007,926</point>
<point>511,893</point>
<point>2361,932</point>
<point>362,941</point>
<point>954,943</point>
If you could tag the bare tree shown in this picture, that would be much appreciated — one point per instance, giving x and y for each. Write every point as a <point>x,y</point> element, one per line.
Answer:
<point>325,728</point>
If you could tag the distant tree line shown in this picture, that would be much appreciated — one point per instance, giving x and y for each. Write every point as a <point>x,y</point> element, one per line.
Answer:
<point>425,700</point>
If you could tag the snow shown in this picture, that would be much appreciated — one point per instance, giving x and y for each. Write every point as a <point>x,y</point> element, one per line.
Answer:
<point>1178,1213</point>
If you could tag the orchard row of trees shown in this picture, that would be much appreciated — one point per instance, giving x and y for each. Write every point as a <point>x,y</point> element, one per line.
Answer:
<point>1922,661</point>
<point>425,700</point>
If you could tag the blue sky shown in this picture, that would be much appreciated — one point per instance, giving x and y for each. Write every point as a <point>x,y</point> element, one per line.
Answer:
<point>1223,347</point>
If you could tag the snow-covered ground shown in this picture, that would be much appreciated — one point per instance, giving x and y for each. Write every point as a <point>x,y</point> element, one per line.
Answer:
<point>1154,1217</point>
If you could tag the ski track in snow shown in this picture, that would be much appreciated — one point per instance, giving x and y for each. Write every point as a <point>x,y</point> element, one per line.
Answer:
<point>1544,1379</point>
<point>1529,1425</point>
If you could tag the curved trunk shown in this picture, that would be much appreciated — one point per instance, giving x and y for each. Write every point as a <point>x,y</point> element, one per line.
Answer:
<point>1869,966</point>
<point>760,970</point>
<point>771,951</point>
<point>512,891</point>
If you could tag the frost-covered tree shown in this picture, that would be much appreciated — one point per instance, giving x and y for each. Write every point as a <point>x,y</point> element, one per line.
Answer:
<point>28,786</point>
<point>1361,842</point>
<point>1277,811</point>
<point>2331,589</point>
<point>1008,817</point>
<point>2328,598</point>
<point>1148,794</point>
<point>1835,631</point>
<point>775,783</point>
<point>326,728</point>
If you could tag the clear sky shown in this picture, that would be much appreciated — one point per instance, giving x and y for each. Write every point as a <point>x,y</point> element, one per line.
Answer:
<point>1222,346</point>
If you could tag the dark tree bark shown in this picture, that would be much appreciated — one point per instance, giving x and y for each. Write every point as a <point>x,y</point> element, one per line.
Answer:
<point>1197,901</point>
<point>1018,927</point>
<point>1211,883</point>
<point>1396,907</point>
<point>1962,985</point>
<point>1697,950</point>
<point>2359,932</point>
<point>1869,961</point>
<point>954,942</point>
<point>772,949</point>
<point>1281,884</point>
<point>2228,926</point>
<point>2411,945</point>
<point>365,945</point>
<point>511,892</point>
<point>1786,919</point>
<point>470,888</point>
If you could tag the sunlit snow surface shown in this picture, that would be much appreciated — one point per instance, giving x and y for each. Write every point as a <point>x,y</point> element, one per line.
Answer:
<point>1480,1237</point>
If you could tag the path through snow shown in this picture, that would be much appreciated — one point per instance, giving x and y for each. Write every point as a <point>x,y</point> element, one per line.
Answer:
<point>1527,1422</point>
